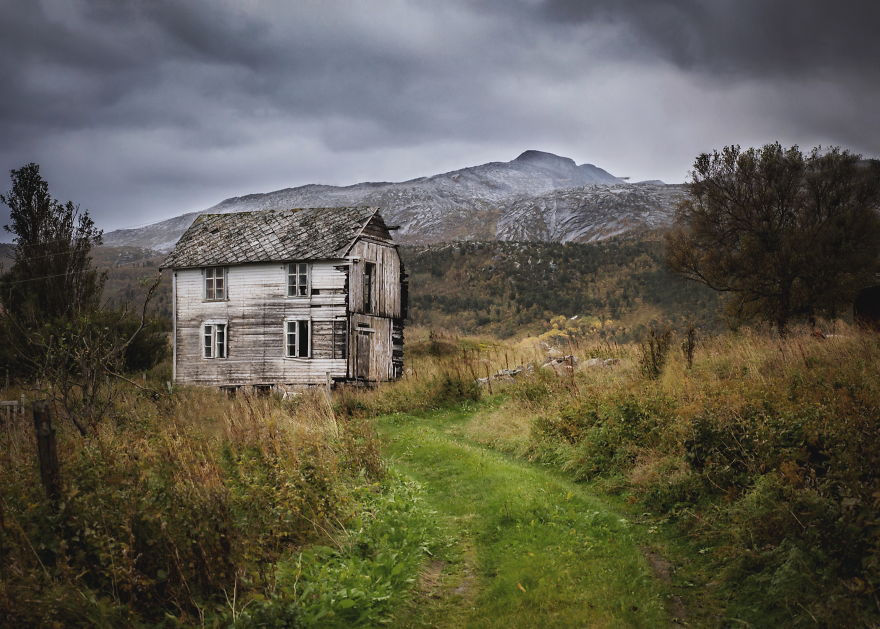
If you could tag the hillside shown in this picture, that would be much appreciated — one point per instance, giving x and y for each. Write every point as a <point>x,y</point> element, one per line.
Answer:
<point>537,196</point>
<point>505,289</point>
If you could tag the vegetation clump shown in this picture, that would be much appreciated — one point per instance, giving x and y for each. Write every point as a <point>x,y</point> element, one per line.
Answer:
<point>764,452</point>
<point>188,510</point>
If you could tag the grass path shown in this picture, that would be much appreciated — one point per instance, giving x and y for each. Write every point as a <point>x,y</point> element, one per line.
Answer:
<point>530,549</point>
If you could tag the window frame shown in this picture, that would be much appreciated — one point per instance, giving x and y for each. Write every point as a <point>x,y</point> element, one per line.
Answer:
<point>368,287</point>
<point>296,286</point>
<point>224,278</point>
<point>297,342</point>
<point>212,325</point>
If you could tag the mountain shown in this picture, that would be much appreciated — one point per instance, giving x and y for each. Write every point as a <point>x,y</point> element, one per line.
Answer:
<point>537,196</point>
<point>589,213</point>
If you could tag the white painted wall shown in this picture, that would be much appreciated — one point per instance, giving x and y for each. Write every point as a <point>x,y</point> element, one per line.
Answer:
<point>255,309</point>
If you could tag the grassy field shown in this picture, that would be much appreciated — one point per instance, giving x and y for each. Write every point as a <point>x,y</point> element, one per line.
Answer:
<point>532,549</point>
<point>193,509</point>
<point>741,490</point>
<point>756,466</point>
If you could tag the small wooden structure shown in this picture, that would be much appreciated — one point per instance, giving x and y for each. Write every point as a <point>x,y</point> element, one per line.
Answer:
<point>287,298</point>
<point>9,409</point>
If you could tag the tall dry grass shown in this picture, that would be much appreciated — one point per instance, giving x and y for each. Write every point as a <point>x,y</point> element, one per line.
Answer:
<point>176,508</point>
<point>766,452</point>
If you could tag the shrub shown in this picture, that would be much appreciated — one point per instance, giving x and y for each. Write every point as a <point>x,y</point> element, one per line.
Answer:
<point>436,390</point>
<point>653,351</point>
<point>170,510</point>
<point>766,452</point>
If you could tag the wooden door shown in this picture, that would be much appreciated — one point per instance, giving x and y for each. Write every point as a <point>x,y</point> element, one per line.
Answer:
<point>362,364</point>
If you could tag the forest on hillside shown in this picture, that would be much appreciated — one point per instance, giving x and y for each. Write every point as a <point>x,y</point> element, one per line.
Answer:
<point>615,287</point>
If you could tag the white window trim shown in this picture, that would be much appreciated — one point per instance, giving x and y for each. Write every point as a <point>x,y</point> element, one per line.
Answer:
<point>285,345</point>
<point>213,323</point>
<point>287,275</point>
<point>225,283</point>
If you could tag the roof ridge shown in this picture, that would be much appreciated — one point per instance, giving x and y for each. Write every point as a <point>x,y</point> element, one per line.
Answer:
<point>291,234</point>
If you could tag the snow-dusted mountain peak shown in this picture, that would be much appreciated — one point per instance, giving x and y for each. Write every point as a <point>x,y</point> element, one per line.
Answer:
<point>536,196</point>
<point>547,160</point>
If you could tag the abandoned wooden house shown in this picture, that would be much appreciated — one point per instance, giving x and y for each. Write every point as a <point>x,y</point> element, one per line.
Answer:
<point>286,298</point>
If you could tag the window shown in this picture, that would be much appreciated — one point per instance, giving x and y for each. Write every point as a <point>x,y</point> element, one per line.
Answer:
<point>298,279</point>
<point>298,338</point>
<point>369,274</point>
<point>214,340</point>
<point>215,282</point>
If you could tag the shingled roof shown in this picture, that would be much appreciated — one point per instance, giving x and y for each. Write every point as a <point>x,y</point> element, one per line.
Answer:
<point>269,236</point>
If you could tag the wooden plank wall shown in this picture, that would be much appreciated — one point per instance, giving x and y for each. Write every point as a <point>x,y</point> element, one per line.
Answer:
<point>380,366</point>
<point>255,311</point>
<point>386,315</point>
<point>386,293</point>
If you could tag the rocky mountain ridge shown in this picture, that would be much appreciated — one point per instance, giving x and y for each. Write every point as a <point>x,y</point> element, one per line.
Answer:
<point>536,197</point>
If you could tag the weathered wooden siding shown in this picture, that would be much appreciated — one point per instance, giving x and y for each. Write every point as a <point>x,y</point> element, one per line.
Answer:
<point>255,312</point>
<point>377,230</point>
<point>396,348</point>
<point>386,293</point>
<point>379,367</point>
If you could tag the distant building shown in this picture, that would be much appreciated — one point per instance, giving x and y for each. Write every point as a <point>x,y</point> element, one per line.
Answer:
<point>284,298</point>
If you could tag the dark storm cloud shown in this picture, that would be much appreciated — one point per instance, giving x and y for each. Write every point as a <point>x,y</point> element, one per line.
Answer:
<point>143,109</point>
<point>742,37</point>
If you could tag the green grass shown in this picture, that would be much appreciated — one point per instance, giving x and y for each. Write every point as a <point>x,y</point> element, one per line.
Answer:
<point>365,576</point>
<point>533,549</point>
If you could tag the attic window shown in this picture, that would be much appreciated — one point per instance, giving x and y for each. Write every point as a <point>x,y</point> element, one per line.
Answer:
<point>215,283</point>
<point>298,279</point>
<point>369,277</point>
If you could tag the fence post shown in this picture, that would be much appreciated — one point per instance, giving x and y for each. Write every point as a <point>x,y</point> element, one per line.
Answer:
<point>47,451</point>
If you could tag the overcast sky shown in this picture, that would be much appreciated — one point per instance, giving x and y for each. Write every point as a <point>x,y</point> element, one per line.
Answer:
<point>142,110</point>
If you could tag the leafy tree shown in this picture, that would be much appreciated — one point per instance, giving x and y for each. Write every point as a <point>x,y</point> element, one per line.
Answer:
<point>52,326</point>
<point>786,236</point>
<point>51,275</point>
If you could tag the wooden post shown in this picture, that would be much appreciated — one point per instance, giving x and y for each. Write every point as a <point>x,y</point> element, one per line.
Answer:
<point>46,451</point>
<point>488,379</point>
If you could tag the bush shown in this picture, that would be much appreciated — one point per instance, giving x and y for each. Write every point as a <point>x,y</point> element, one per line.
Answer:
<point>437,390</point>
<point>653,351</point>
<point>766,452</point>
<point>170,510</point>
